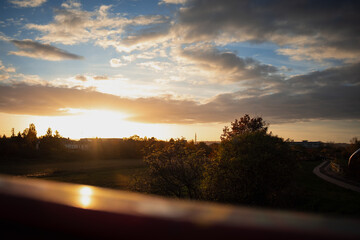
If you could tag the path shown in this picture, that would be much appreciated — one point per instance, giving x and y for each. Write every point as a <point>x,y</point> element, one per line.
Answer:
<point>317,171</point>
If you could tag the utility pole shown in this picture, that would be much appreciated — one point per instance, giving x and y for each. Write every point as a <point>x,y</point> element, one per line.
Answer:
<point>195,138</point>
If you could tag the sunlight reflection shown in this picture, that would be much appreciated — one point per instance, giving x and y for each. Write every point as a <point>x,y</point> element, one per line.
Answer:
<point>85,196</point>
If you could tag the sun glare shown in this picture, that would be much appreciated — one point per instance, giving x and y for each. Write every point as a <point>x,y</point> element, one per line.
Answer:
<point>85,123</point>
<point>85,196</point>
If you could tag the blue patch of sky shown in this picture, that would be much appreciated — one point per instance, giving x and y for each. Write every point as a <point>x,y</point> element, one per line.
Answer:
<point>96,61</point>
<point>16,18</point>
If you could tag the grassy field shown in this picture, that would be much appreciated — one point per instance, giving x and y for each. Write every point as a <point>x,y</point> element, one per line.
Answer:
<point>319,196</point>
<point>109,173</point>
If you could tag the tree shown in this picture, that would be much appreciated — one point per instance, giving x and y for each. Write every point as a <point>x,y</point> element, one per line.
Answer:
<point>251,166</point>
<point>354,145</point>
<point>50,144</point>
<point>57,134</point>
<point>29,135</point>
<point>174,169</point>
<point>244,125</point>
<point>48,133</point>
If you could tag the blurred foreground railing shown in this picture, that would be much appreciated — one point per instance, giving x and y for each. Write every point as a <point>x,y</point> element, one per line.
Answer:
<point>44,209</point>
<point>353,156</point>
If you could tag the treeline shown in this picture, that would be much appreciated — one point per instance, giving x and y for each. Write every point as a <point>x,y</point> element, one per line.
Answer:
<point>27,145</point>
<point>22,145</point>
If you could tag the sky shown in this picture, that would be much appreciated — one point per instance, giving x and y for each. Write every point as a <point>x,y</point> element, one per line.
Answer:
<point>173,68</point>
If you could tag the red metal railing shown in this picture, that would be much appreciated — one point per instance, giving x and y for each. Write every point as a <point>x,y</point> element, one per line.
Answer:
<point>45,209</point>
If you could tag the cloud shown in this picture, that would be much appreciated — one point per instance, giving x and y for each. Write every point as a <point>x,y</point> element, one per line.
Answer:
<point>81,78</point>
<point>116,62</point>
<point>172,2</point>
<point>29,48</point>
<point>6,69</point>
<point>100,77</point>
<point>155,65</point>
<point>226,66</point>
<point>5,72</point>
<point>303,25</point>
<point>303,29</point>
<point>145,39</point>
<point>330,94</point>
<point>318,53</point>
<point>3,37</point>
<point>84,78</point>
<point>27,3</point>
<point>71,4</point>
<point>72,25</point>
<point>129,58</point>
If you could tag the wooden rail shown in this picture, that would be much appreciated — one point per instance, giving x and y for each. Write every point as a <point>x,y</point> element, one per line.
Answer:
<point>41,209</point>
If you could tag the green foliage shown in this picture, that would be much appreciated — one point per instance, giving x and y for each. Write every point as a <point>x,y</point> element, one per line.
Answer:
<point>174,169</point>
<point>251,168</point>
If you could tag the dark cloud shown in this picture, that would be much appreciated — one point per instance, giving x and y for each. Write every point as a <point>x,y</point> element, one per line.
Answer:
<point>29,48</point>
<point>328,94</point>
<point>308,27</point>
<point>48,100</point>
<point>226,64</point>
<point>145,37</point>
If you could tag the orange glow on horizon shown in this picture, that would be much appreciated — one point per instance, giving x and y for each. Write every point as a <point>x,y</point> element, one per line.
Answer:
<point>112,124</point>
<point>107,124</point>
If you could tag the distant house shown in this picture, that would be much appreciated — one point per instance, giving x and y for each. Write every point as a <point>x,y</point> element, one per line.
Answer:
<point>83,144</point>
<point>307,144</point>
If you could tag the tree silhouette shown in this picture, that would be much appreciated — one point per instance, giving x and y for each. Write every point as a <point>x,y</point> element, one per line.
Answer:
<point>251,166</point>
<point>48,133</point>
<point>245,124</point>
<point>29,136</point>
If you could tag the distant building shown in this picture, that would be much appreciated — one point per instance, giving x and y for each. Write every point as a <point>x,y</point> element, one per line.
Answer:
<point>83,144</point>
<point>307,144</point>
